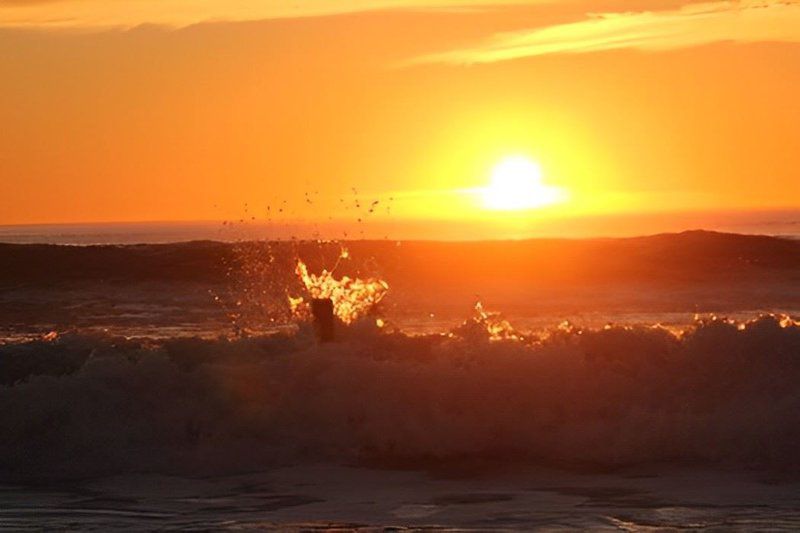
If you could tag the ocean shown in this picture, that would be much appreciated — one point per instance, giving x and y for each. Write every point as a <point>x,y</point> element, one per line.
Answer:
<point>780,223</point>
<point>634,383</point>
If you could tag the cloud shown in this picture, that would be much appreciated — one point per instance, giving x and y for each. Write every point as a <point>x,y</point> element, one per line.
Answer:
<point>180,13</point>
<point>691,25</point>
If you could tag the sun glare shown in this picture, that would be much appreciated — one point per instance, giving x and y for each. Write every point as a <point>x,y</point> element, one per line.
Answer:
<point>516,183</point>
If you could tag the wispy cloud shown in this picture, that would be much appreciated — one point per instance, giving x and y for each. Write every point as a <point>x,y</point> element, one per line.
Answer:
<point>691,25</point>
<point>179,13</point>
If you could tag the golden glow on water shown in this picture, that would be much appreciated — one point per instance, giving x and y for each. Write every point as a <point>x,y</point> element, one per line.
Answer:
<point>352,298</point>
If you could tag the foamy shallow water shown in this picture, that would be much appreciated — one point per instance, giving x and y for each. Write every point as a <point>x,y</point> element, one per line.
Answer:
<point>329,497</point>
<point>440,432</point>
<point>80,405</point>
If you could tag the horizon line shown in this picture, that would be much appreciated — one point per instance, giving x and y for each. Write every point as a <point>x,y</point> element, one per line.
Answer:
<point>678,212</point>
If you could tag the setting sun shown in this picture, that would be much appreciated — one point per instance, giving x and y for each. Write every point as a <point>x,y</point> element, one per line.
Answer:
<point>516,183</point>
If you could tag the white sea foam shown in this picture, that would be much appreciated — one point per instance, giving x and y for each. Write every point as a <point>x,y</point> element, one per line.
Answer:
<point>88,404</point>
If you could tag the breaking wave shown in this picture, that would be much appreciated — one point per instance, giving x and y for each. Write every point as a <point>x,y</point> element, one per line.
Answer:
<point>720,391</point>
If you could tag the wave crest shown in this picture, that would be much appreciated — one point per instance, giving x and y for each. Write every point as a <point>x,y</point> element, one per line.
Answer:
<point>719,391</point>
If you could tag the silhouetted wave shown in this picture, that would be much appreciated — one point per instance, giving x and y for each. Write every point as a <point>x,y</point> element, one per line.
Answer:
<point>690,256</point>
<point>719,392</point>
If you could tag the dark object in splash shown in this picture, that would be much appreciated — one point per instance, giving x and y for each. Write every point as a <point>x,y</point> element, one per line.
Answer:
<point>324,323</point>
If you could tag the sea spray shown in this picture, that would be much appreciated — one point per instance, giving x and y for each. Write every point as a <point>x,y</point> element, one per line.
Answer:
<point>270,283</point>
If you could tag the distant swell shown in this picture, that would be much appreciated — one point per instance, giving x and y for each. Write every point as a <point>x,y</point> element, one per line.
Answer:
<point>85,405</point>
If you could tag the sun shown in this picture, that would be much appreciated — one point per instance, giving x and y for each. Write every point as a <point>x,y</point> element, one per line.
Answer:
<point>516,184</point>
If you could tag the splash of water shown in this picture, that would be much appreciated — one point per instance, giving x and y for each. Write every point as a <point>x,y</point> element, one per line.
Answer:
<point>352,298</point>
<point>257,275</point>
<point>488,324</point>
<point>264,273</point>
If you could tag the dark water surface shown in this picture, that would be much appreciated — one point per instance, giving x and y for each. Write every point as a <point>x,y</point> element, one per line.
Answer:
<point>163,387</point>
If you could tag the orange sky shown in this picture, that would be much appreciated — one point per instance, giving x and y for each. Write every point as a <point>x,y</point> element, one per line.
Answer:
<point>122,110</point>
